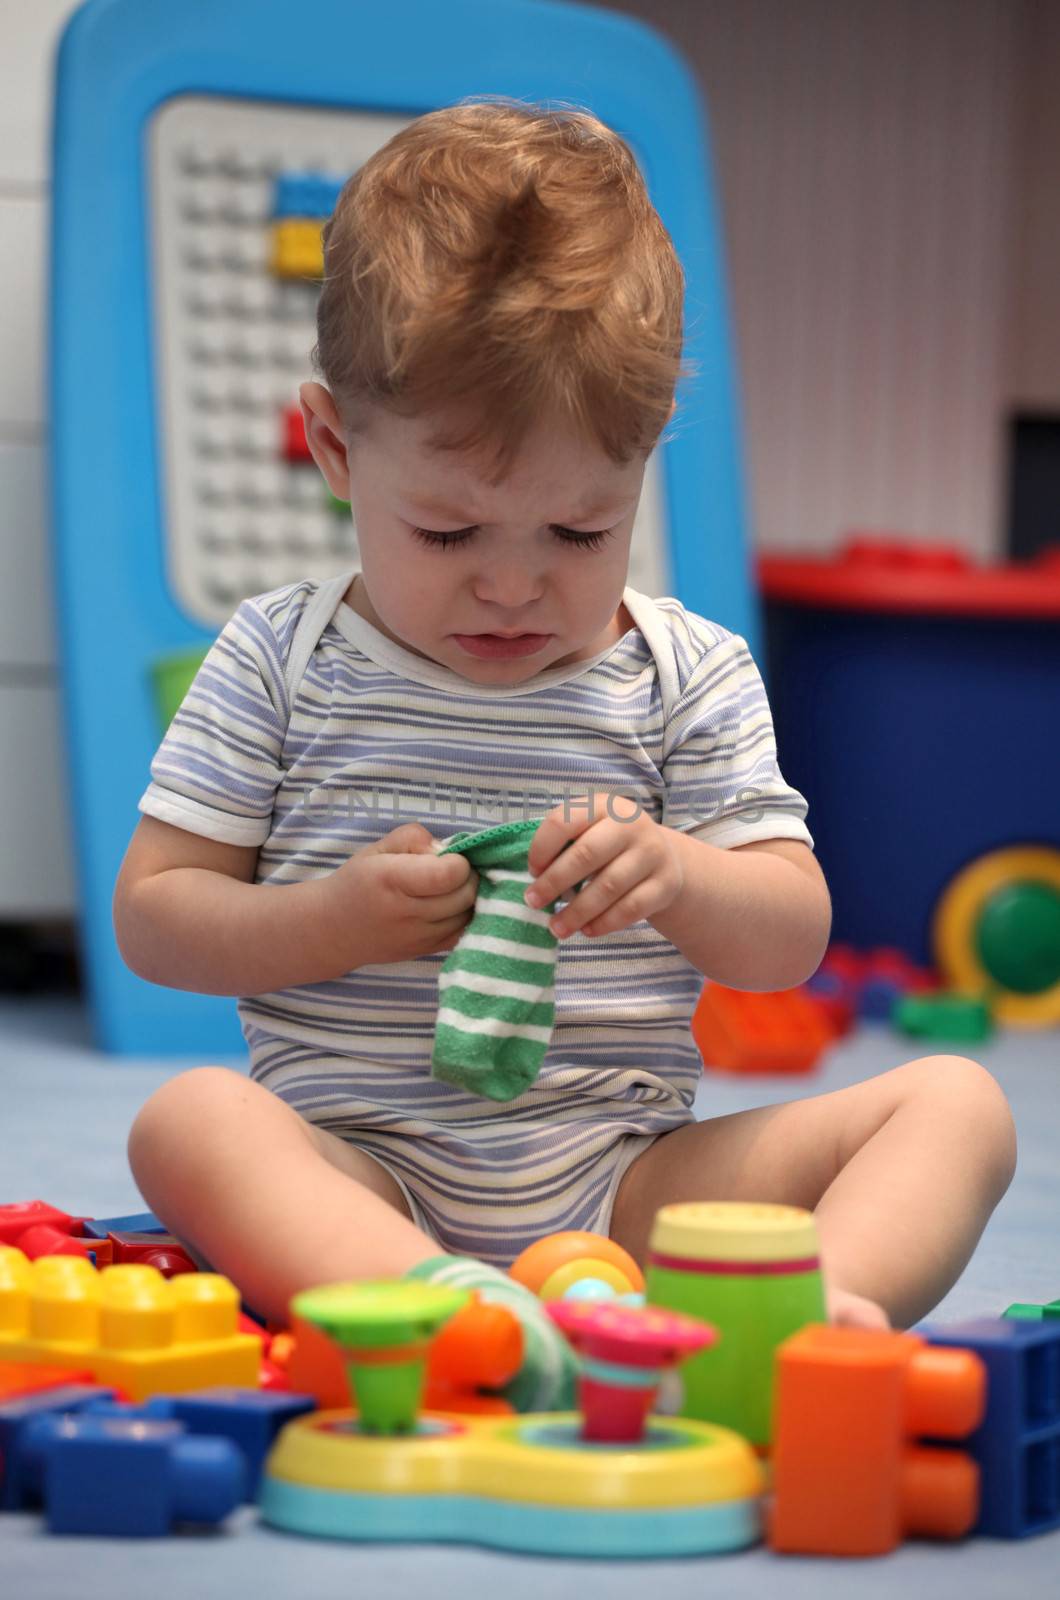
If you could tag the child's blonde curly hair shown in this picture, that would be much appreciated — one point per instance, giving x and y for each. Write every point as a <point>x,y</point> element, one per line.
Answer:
<point>503,259</point>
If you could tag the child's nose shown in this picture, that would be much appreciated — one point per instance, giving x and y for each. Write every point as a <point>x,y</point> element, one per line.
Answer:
<point>512,586</point>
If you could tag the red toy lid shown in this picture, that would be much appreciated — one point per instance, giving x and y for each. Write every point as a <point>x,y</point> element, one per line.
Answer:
<point>875,572</point>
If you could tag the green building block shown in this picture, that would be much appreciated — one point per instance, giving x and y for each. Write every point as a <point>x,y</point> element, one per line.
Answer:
<point>962,1017</point>
<point>1028,1313</point>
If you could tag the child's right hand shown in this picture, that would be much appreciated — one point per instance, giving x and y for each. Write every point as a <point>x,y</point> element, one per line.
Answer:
<point>395,899</point>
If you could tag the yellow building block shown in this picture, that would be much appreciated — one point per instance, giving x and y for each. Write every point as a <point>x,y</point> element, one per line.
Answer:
<point>297,248</point>
<point>127,1325</point>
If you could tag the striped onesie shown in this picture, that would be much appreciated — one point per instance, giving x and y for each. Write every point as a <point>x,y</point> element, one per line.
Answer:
<point>309,733</point>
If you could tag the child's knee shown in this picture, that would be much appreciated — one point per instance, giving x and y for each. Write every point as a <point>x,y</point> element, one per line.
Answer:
<point>964,1090</point>
<point>179,1111</point>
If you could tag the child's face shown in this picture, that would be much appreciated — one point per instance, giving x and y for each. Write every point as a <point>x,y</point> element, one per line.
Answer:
<point>514,571</point>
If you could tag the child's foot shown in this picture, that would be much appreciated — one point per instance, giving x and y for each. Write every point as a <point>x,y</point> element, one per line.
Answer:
<point>854,1311</point>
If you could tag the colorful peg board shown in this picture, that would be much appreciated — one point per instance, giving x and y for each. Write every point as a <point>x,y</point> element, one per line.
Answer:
<point>235,325</point>
<point>527,1483</point>
<point>240,194</point>
<point>196,153</point>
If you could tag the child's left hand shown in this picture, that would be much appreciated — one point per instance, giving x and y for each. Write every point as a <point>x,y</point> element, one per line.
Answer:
<point>637,869</point>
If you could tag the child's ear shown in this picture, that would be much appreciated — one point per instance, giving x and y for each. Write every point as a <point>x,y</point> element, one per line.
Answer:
<point>326,437</point>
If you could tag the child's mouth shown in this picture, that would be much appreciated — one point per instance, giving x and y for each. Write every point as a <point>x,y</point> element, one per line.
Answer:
<point>492,645</point>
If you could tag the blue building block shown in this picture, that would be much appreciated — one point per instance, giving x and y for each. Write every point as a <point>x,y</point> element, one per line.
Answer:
<point>877,999</point>
<point>120,1476</point>
<point>306,194</point>
<point>1018,1445</point>
<point>20,1461</point>
<point>139,1222</point>
<point>250,1418</point>
<point>829,985</point>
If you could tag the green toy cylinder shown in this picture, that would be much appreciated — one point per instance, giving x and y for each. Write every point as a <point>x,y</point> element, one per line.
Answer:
<point>387,1396</point>
<point>754,1272</point>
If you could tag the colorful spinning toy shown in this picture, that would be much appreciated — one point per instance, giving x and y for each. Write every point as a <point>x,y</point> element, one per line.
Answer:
<point>610,1480</point>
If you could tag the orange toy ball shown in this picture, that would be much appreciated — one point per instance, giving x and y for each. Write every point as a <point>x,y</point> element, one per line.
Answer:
<point>539,1261</point>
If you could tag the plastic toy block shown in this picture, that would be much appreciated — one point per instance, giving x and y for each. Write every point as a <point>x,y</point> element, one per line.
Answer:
<point>136,1222</point>
<point>848,1477</point>
<point>1031,1313</point>
<point>310,194</point>
<point>111,1475</point>
<point>20,1377</point>
<point>20,1480</point>
<point>961,1017</point>
<point>845,963</point>
<point>159,1250</point>
<point>887,976</point>
<point>99,1251</point>
<point>1017,1445</point>
<point>872,981</point>
<point>127,1325</point>
<point>295,443</point>
<point>836,999</point>
<point>738,1031</point>
<point>386,1470</point>
<point>43,1240</point>
<point>249,1418</point>
<point>297,248</point>
<point>16,1218</point>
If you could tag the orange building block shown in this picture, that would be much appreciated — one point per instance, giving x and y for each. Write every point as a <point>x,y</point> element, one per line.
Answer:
<point>848,1477</point>
<point>737,1031</point>
<point>19,1378</point>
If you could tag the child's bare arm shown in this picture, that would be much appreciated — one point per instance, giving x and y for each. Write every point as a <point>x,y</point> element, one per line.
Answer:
<point>188,915</point>
<point>755,916</point>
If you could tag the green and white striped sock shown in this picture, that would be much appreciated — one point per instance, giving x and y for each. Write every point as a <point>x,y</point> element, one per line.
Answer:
<point>548,1377</point>
<point>496,988</point>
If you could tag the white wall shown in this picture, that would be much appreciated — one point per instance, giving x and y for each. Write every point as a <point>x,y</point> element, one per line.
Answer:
<point>890,171</point>
<point>36,869</point>
<point>1034,372</point>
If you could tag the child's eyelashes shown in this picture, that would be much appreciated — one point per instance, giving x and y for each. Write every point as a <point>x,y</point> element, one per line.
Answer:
<point>446,541</point>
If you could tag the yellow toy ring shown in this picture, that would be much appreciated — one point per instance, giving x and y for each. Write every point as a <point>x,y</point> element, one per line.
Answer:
<point>971,913</point>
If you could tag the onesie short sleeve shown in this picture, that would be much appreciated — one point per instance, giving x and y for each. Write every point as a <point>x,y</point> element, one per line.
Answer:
<point>721,779</point>
<point>217,770</point>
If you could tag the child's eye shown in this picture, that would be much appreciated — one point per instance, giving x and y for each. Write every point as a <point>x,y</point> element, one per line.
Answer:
<point>588,541</point>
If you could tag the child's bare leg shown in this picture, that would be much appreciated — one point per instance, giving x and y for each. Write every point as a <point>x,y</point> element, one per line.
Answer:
<point>902,1172</point>
<point>275,1204</point>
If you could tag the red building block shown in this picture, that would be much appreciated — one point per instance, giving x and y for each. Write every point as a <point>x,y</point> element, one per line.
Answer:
<point>295,443</point>
<point>159,1250</point>
<point>16,1218</point>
